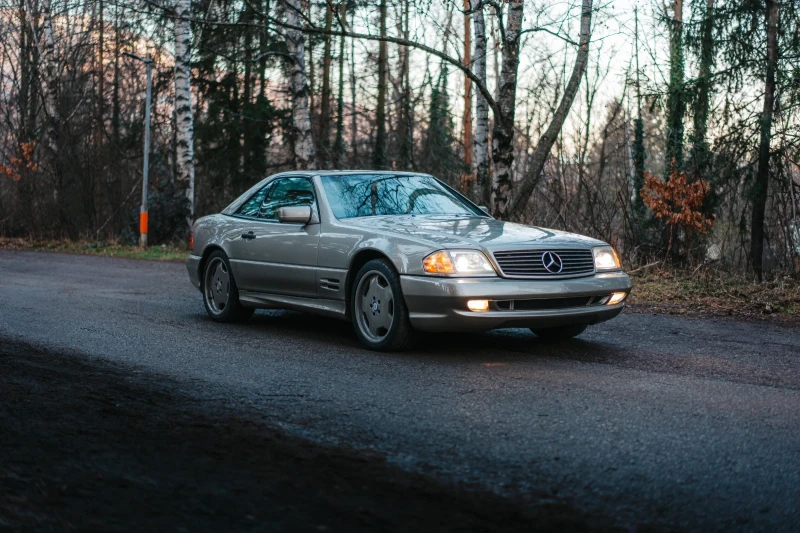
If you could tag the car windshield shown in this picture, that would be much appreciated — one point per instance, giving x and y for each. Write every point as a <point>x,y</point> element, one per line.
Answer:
<point>365,195</point>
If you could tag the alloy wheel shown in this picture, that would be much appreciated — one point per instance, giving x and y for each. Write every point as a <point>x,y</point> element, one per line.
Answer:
<point>217,285</point>
<point>375,306</point>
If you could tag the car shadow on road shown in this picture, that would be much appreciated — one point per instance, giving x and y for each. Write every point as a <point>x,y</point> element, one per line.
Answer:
<point>494,345</point>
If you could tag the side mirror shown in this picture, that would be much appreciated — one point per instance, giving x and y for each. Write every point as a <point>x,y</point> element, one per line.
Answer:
<point>297,214</point>
<point>484,209</point>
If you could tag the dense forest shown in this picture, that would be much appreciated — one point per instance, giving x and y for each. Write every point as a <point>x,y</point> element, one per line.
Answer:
<point>668,129</point>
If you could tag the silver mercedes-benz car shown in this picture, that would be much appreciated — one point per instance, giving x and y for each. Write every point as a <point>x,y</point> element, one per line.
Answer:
<point>397,253</point>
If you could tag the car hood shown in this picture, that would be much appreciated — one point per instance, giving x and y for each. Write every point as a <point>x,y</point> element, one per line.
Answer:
<point>471,232</point>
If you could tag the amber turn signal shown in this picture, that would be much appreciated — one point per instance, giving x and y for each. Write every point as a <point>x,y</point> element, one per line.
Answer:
<point>438,263</point>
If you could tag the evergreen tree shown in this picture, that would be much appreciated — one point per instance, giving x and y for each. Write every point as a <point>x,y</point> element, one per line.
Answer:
<point>439,156</point>
<point>234,121</point>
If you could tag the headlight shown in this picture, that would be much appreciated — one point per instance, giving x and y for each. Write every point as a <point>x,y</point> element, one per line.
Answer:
<point>605,258</point>
<point>465,262</point>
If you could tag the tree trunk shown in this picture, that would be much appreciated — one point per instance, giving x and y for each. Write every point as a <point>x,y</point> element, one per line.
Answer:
<point>26,74</point>
<point>339,150</point>
<point>677,100</point>
<point>101,77</point>
<point>27,114</point>
<point>304,152</point>
<point>51,103</point>
<point>700,152</point>
<point>263,46</point>
<point>406,134</point>
<point>353,90</point>
<point>638,153</point>
<point>483,180</point>
<point>47,53</point>
<point>542,151</point>
<point>248,131</point>
<point>466,125</point>
<point>503,134</point>
<point>115,105</point>
<point>761,185</point>
<point>325,106</point>
<point>379,157</point>
<point>312,84</point>
<point>184,120</point>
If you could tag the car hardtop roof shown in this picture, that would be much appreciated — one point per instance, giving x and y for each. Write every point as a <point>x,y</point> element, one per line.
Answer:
<point>348,173</point>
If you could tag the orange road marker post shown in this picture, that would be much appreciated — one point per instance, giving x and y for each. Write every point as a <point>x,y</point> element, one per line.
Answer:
<point>148,61</point>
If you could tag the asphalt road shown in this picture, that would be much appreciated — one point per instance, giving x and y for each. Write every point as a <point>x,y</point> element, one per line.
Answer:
<point>652,420</point>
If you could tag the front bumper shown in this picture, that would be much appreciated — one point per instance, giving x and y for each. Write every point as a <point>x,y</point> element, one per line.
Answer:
<point>440,304</point>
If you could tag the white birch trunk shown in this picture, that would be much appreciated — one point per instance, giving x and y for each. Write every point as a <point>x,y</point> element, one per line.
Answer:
<point>184,120</point>
<point>305,155</point>
<point>483,181</point>
<point>48,53</point>
<point>503,136</point>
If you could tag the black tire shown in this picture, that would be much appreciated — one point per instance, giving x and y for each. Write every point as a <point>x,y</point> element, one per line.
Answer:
<point>560,333</point>
<point>220,295</point>
<point>399,335</point>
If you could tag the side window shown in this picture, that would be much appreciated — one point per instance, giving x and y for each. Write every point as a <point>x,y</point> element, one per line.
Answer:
<point>251,207</point>
<point>287,192</point>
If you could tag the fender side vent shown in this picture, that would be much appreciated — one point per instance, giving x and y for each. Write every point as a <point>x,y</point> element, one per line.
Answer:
<point>332,284</point>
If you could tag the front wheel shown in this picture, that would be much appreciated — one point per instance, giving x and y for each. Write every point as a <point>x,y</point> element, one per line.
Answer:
<point>220,295</point>
<point>378,310</point>
<point>560,333</point>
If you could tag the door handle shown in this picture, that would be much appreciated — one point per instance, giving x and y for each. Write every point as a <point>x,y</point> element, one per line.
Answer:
<point>249,235</point>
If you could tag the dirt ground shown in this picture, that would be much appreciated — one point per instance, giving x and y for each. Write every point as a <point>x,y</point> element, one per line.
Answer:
<point>88,445</point>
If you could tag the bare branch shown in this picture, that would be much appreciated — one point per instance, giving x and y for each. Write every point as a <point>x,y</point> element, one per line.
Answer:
<point>396,40</point>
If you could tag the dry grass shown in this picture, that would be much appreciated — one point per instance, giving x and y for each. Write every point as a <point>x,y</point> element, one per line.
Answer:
<point>715,292</point>
<point>107,249</point>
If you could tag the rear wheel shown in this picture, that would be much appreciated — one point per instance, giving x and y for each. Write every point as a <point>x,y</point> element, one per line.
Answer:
<point>379,313</point>
<point>220,294</point>
<point>560,333</point>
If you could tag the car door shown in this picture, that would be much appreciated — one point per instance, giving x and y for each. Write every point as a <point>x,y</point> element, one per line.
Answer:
<point>273,257</point>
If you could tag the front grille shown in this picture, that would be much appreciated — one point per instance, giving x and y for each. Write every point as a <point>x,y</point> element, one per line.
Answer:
<point>529,263</point>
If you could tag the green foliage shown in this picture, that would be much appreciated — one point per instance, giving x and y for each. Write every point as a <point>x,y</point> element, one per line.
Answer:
<point>438,154</point>
<point>236,120</point>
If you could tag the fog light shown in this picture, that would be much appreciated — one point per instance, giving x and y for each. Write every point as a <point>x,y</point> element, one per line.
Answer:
<point>616,297</point>
<point>478,306</point>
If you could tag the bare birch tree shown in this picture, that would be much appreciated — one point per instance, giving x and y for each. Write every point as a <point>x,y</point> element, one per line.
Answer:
<point>466,123</point>
<point>483,183</point>
<point>503,133</point>
<point>184,120</point>
<point>305,156</point>
<point>47,52</point>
